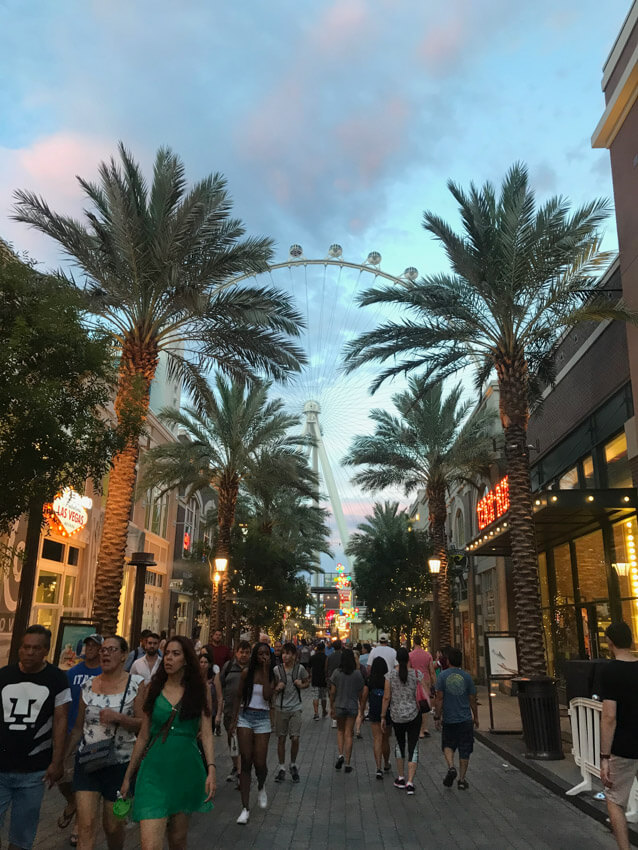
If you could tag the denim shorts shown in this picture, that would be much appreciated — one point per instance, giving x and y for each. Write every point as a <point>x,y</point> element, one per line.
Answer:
<point>106,782</point>
<point>23,792</point>
<point>255,719</point>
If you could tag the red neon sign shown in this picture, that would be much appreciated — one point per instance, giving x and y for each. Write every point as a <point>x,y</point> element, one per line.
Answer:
<point>493,504</point>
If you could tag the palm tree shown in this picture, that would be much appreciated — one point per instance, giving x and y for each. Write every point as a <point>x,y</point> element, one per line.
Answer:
<point>389,557</point>
<point>520,276</point>
<point>221,448</point>
<point>428,447</point>
<point>157,263</point>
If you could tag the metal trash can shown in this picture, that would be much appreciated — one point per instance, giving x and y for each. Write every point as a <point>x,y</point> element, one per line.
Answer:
<point>540,717</point>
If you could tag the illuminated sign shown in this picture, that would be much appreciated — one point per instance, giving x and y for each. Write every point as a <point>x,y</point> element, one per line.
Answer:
<point>494,504</point>
<point>68,513</point>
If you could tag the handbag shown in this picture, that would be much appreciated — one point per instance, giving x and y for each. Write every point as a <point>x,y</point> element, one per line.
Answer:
<point>101,754</point>
<point>422,700</point>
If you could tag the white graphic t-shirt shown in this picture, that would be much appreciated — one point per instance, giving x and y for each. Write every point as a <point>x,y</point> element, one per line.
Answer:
<point>28,703</point>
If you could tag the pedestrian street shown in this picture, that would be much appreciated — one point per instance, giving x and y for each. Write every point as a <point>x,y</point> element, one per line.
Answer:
<point>502,808</point>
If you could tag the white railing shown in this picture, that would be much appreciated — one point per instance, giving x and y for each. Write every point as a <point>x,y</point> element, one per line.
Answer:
<point>585,715</point>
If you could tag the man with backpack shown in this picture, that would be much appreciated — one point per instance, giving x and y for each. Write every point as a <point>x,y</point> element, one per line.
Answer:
<point>230,678</point>
<point>290,678</point>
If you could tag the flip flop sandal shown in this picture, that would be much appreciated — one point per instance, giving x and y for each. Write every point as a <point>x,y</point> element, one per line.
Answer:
<point>66,817</point>
<point>73,840</point>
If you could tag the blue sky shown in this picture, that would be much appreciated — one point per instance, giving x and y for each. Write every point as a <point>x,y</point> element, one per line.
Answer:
<point>333,120</point>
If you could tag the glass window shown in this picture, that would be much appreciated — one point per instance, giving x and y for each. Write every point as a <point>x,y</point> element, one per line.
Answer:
<point>74,556</point>
<point>569,481</point>
<point>626,563</point>
<point>617,464</point>
<point>69,588</point>
<point>48,589</point>
<point>563,569</point>
<point>542,575</point>
<point>592,572</point>
<point>459,529</point>
<point>156,518</point>
<point>588,472</point>
<point>52,550</point>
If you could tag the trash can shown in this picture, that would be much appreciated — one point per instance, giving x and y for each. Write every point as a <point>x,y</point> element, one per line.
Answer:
<point>540,717</point>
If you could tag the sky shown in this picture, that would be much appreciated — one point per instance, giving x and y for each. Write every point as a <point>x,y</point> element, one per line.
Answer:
<point>334,121</point>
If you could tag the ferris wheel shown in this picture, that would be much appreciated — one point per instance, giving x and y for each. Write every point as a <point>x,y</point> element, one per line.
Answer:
<point>334,405</point>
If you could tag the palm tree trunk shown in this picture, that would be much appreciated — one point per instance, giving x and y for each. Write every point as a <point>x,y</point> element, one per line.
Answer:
<point>227,492</point>
<point>438,516</point>
<point>137,370</point>
<point>514,411</point>
<point>27,576</point>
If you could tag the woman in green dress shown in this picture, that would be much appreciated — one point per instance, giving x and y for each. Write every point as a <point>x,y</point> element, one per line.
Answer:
<point>172,782</point>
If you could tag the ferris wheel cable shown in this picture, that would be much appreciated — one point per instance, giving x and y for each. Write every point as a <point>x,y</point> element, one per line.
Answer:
<point>335,363</point>
<point>327,261</point>
<point>331,321</point>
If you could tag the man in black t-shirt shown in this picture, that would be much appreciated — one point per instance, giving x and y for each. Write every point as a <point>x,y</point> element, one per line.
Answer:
<point>35,699</point>
<point>318,680</point>
<point>619,728</point>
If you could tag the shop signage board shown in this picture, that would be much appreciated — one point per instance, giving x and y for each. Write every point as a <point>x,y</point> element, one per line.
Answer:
<point>494,504</point>
<point>68,513</point>
<point>70,642</point>
<point>501,656</point>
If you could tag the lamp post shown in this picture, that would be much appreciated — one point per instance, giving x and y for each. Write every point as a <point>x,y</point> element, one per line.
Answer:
<point>140,560</point>
<point>217,567</point>
<point>434,566</point>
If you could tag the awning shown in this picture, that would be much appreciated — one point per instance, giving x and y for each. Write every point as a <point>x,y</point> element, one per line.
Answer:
<point>559,516</point>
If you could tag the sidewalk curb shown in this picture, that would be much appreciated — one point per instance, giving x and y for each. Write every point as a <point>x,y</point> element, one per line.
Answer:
<point>535,771</point>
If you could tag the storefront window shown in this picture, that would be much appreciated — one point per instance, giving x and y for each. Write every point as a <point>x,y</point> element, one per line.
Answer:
<point>630,614</point>
<point>53,551</point>
<point>569,481</point>
<point>156,518</point>
<point>69,588</point>
<point>626,563</point>
<point>617,464</point>
<point>588,472</point>
<point>542,575</point>
<point>566,633</point>
<point>48,589</point>
<point>592,573</point>
<point>73,556</point>
<point>563,569</point>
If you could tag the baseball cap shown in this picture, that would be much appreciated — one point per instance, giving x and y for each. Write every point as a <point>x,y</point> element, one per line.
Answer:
<point>383,638</point>
<point>96,638</point>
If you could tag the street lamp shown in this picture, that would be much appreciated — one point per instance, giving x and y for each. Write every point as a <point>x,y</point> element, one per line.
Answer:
<point>434,565</point>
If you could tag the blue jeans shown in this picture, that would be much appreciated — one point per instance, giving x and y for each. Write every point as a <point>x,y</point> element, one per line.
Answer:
<point>23,792</point>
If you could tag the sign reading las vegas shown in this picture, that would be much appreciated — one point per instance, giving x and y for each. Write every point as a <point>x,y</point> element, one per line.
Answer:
<point>68,512</point>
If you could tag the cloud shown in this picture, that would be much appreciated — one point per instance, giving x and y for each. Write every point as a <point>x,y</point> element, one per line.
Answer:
<point>48,167</point>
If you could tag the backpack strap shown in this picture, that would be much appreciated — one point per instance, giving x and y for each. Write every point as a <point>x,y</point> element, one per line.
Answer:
<point>223,675</point>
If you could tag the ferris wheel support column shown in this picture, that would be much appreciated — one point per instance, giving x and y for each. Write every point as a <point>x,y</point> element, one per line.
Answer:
<point>312,409</point>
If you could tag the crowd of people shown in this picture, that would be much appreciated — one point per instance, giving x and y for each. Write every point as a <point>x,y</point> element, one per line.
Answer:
<point>131,734</point>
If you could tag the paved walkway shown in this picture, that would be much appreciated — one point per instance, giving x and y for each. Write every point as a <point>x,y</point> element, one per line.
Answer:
<point>502,809</point>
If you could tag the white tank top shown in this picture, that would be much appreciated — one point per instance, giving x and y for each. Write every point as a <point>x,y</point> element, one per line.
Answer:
<point>257,700</point>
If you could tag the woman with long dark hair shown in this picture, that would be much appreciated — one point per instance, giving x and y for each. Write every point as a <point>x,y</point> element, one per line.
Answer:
<point>172,782</point>
<point>210,672</point>
<point>373,695</point>
<point>346,685</point>
<point>251,719</point>
<point>400,695</point>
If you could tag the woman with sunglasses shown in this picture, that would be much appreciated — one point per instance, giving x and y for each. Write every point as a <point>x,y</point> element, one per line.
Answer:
<point>172,782</point>
<point>110,709</point>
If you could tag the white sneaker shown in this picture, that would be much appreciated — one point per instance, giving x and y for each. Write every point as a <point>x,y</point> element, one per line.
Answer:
<point>262,799</point>
<point>244,816</point>
<point>334,724</point>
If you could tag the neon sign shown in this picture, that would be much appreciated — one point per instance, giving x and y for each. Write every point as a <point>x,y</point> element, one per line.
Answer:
<point>68,513</point>
<point>494,504</point>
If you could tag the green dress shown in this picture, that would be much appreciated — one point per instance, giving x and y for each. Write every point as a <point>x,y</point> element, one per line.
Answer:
<point>171,778</point>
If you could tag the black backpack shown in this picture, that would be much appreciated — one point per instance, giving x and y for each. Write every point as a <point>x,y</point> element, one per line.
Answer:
<point>281,671</point>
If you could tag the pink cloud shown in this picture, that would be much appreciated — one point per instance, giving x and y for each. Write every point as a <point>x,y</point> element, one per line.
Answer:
<point>342,25</point>
<point>370,138</point>
<point>48,167</point>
